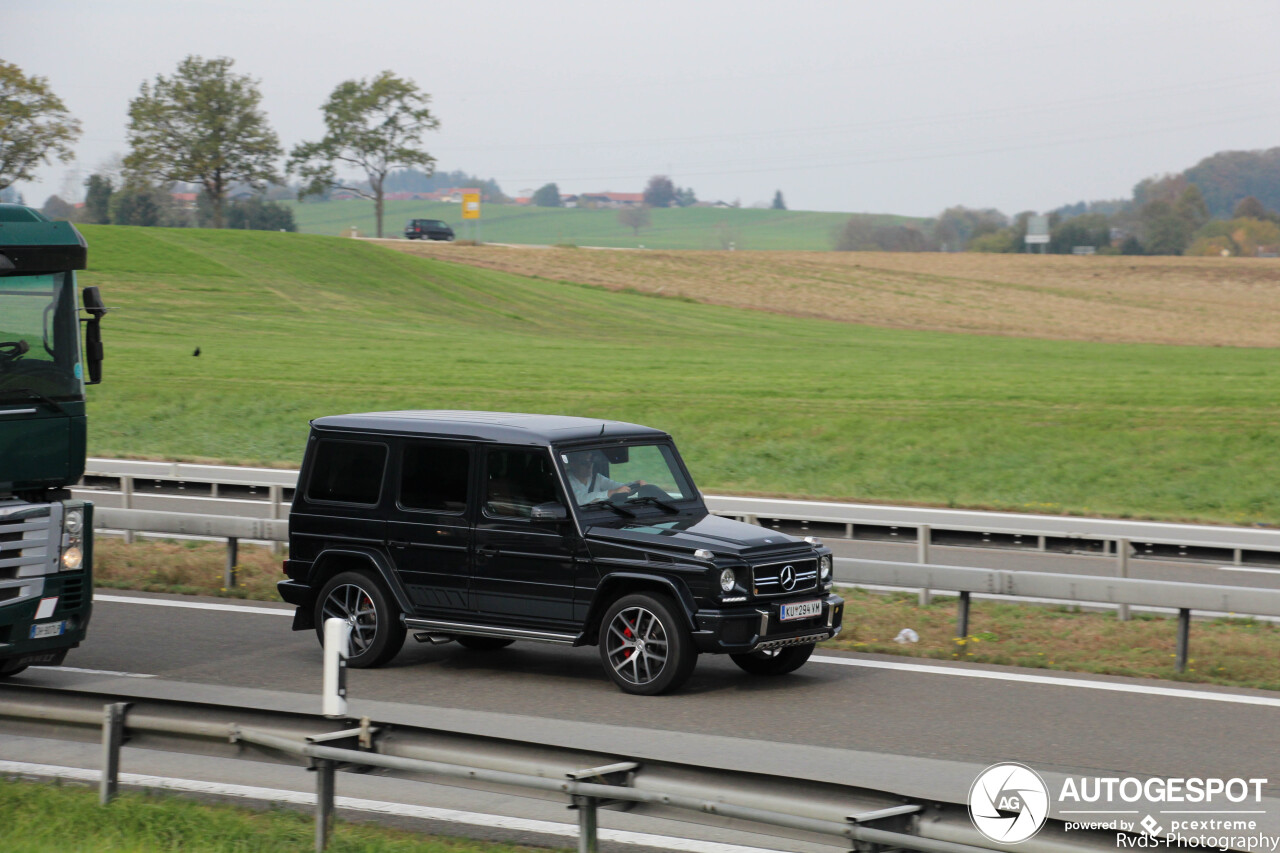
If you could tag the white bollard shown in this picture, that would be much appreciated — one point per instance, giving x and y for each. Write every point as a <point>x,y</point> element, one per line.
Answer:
<point>337,645</point>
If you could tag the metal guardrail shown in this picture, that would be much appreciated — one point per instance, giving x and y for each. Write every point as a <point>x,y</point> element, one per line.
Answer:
<point>863,817</point>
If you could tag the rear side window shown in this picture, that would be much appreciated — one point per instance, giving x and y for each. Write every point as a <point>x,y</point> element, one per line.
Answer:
<point>348,472</point>
<point>435,477</point>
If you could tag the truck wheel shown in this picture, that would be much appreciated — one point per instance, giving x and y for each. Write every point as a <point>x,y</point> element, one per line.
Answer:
<point>6,670</point>
<point>774,661</point>
<point>377,633</point>
<point>645,647</point>
<point>483,644</point>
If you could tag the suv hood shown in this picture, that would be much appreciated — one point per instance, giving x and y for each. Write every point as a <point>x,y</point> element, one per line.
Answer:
<point>716,534</point>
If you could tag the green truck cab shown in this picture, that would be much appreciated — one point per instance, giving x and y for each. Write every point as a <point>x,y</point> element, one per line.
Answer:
<point>46,537</point>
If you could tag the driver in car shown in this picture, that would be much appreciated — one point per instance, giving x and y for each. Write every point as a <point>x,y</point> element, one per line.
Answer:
<point>589,485</point>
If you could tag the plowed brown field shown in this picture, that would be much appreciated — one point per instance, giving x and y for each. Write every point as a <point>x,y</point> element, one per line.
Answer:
<point>1166,300</point>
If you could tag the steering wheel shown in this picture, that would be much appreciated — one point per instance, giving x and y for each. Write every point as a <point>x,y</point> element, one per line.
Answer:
<point>11,351</point>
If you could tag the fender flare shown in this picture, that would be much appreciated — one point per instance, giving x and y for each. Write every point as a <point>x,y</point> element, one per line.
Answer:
<point>604,594</point>
<point>373,558</point>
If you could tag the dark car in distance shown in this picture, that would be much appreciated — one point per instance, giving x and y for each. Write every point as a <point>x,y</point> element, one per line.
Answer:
<point>485,528</point>
<point>427,229</point>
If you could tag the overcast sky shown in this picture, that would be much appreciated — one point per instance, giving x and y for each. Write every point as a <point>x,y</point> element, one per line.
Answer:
<point>898,106</point>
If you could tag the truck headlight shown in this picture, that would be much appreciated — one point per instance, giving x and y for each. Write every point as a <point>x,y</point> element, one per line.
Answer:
<point>727,580</point>
<point>74,522</point>
<point>824,563</point>
<point>72,558</point>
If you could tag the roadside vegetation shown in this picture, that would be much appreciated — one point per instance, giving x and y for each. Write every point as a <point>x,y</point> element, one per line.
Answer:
<point>41,817</point>
<point>1234,652</point>
<point>292,327</point>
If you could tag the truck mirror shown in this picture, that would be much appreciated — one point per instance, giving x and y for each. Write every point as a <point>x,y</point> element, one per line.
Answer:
<point>93,333</point>
<point>93,301</point>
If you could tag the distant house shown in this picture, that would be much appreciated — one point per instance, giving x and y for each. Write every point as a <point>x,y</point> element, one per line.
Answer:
<point>453,195</point>
<point>610,199</point>
<point>524,200</point>
<point>184,201</point>
<point>568,200</point>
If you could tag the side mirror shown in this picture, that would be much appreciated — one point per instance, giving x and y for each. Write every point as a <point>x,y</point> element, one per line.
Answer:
<point>551,511</point>
<point>93,333</point>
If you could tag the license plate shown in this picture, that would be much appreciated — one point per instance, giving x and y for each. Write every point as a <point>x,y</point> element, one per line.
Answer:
<point>800,610</point>
<point>48,629</point>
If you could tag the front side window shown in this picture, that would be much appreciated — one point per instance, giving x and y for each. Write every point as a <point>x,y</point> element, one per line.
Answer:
<point>622,473</point>
<point>517,480</point>
<point>39,338</point>
<point>435,477</point>
<point>348,472</point>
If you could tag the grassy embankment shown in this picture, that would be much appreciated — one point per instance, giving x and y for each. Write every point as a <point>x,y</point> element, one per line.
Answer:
<point>295,326</point>
<point>671,228</point>
<point>43,818</point>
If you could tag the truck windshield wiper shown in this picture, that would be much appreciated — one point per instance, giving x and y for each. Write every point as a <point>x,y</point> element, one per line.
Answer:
<point>650,499</point>
<point>37,396</point>
<point>611,505</point>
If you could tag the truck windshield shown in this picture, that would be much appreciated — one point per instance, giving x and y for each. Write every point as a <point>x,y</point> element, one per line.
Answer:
<point>39,338</point>
<point>625,473</point>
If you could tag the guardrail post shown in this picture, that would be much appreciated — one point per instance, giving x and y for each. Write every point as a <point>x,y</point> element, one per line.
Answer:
<point>229,578</point>
<point>126,501</point>
<point>112,740</point>
<point>276,496</point>
<point>324,803</point>
<point>962,618</point>
<point>924,533</point>
<point>1122,571</point>
<point>1184,637</point>
<point>587,827</point>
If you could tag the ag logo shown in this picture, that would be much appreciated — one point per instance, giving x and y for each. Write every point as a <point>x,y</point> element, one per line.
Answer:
<point>1008,802</point>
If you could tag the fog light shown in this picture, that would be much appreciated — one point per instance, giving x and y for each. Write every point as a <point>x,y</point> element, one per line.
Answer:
<point>825,563</point>
<point>71,558</point>
<point>727,580</point>
<point>74,522</point>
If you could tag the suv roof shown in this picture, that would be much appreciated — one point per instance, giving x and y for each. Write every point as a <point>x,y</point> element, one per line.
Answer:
<point>507,427</point>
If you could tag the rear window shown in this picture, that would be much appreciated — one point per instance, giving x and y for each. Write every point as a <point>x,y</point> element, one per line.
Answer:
<point>347,472</point>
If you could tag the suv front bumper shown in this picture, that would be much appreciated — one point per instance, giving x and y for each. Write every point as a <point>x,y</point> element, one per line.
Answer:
<point>758,626</point>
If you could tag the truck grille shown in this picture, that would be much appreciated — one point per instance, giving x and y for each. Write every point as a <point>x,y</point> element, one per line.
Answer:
<point>26,539</point>
<point>72,593</point>
<point>784,578</point>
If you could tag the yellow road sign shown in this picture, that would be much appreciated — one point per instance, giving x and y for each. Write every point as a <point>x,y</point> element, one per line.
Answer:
<point>471,205</point>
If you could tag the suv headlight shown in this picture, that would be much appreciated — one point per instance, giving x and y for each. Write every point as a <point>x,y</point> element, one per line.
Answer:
<point>824,566</point>
<point>728,580</point>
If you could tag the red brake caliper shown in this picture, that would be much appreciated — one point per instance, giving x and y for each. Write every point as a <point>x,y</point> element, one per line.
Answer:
<point>626,632</point>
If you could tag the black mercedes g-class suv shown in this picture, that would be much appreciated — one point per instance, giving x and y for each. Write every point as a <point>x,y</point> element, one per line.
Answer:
<point>486,528</point>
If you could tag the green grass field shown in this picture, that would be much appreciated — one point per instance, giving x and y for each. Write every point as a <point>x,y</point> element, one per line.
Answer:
<point>51,818</point>
<point>292,327</point>
<point>673,228</point>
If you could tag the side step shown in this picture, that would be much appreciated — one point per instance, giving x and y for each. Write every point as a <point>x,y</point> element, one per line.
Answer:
<point>435,631</point>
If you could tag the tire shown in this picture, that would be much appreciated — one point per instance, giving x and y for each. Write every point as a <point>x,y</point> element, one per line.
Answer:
<point>6,670</point>
<point>483,644</point>
<point>774,661</point>
<point>377,633</point>
<point>644,645</point>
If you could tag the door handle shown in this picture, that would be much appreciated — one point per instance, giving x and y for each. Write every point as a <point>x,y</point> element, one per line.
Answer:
<point>398,544</point>
<point>487,551</point>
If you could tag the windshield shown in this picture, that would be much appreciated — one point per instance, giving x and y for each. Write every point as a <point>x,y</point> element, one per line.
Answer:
<point>637,473</point>
<point>39,338</point>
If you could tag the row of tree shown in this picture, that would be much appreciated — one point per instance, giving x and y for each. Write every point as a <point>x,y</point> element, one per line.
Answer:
<point>204,125</point>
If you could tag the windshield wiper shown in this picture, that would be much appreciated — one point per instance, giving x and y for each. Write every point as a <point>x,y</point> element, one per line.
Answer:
<point>36,395</point>
<point>611,505</point>
<point>650,499</point>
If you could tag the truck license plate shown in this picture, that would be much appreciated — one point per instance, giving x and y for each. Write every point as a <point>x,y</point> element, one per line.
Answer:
<point>48,629</point>
<point>800,610</point>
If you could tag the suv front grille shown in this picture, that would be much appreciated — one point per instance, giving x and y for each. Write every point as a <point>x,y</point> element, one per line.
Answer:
<point>784,578</point>
<point>25,540</point>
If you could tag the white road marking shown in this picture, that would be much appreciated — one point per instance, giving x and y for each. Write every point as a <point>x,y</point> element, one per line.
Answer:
<point>111,672</point>
<point>1026,678</point>
<point>194,605</point>
<point>1242,569</point>
<point>568,830</point>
